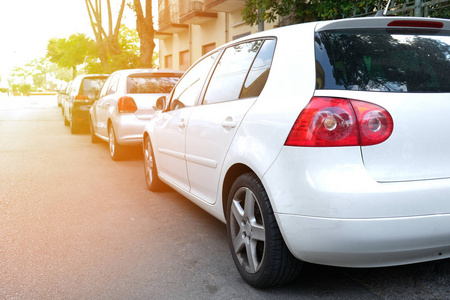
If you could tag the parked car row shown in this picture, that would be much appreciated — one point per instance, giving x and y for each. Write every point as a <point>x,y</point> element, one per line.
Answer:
<point>322,142</point>
<point>115,108</point>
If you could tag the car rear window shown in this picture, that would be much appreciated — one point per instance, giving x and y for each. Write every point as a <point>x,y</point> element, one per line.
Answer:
<point>383,60</point>
<point>142,84</point>
<point>92,85</point>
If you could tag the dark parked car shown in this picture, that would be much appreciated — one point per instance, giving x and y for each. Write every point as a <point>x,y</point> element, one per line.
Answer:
<point>81,94</point>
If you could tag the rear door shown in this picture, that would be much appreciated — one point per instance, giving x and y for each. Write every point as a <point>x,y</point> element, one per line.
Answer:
<point>238,79</point>
<point>107,100</point>
<point>169,136</point>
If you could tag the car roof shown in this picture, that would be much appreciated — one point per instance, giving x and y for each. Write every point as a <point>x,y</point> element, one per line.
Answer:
<point>363,23</point>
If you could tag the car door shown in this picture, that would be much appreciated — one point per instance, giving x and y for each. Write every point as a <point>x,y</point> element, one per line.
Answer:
<point>235,84</point>
<point>170,127</point>
<point>103,104</point>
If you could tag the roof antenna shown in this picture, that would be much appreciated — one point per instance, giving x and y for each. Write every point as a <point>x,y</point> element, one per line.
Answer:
<point>383,12</point>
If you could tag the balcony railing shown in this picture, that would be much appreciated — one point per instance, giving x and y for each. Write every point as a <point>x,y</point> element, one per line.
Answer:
<point>168,20</point>
<point>191,12</point>
<point>223,5</point>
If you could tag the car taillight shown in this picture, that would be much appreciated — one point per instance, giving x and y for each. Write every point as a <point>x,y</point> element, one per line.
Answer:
<point>126,105</point>
<point>335,122</point>
<point>81,98</point>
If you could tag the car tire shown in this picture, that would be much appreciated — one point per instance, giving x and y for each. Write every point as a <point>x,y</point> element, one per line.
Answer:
<point>152,180</point>
<point>115,150</point>
<point>257,246</point>
<point>94,138</point>
<point>73,126</point>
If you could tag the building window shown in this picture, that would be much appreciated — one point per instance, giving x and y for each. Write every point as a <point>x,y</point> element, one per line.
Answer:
<point>184,60</point>
<point>168,62</point>
<point>207,48</point>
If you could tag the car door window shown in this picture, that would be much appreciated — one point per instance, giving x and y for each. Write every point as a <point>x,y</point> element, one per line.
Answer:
<point>186,92</point>
<point>105,87</point>
<point>228,78</point>
<point>113,86</point>
<point>259,72</point>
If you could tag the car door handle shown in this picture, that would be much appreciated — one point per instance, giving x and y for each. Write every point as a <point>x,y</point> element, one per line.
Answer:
<point>182,124</point>
<point>229,123</point>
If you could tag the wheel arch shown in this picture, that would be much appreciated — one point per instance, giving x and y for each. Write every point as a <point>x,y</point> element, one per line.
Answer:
<point>232,174</point>
<point>109,124</point>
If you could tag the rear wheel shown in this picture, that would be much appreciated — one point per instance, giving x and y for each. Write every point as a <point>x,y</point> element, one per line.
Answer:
<point>73,127</point>
<point>115,150</point>
<point>94,138</point>
<point>151,174</point>
<point>257,246</point>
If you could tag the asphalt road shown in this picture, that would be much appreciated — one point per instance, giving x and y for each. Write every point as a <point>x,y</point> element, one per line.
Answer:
<point>76,225</point>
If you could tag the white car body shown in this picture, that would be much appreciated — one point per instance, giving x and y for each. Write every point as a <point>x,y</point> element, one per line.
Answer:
<point>128,126</point>
<point>352,206</point>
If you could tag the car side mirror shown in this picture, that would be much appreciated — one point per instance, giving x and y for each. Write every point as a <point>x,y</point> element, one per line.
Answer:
<point>161,103</point>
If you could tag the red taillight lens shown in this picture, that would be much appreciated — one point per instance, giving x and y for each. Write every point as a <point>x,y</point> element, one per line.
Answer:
<point>126,105</point>
<point>375,123</point>
<point>335,122</point>
<point>81,98</point>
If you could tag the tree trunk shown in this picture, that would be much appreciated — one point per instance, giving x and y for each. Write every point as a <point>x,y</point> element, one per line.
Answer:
<point>74,72</point>
<point>107,44</point>
<point>144,27</point>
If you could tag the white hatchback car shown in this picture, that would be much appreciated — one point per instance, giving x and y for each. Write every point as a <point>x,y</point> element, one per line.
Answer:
<point>323,142</point>
<point>125,105</point>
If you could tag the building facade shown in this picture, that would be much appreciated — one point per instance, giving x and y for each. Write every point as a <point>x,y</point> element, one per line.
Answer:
<point>188,29</point>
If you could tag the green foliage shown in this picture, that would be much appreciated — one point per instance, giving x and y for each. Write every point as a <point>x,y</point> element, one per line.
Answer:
<point>71,52</point>
<point>440,12</point>
<point>304,10</point>
<point>25,88</point>
<point>300,11</point>
<point>128,58</point>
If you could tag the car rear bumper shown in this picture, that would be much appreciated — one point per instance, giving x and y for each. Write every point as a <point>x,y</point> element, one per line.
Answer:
<point>80,114</point>
<point>129,129</point>
<point>367,242</point>
<point>331,211</point>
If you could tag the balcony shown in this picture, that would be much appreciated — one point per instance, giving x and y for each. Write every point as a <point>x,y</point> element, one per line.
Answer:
<point>191,12</point>
<point>162,35</point>
<point>169,20</point>
<point>224,5</point>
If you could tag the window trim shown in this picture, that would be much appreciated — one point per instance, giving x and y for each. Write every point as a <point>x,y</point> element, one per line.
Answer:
<point>222,49</point>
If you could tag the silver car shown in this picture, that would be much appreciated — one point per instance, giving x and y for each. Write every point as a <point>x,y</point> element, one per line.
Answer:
<point>125,104</point>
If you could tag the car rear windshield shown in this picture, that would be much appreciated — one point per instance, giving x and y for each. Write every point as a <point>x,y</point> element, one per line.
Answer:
<point>92,85</point>
<point>150,84</point>
<point>383,60</point>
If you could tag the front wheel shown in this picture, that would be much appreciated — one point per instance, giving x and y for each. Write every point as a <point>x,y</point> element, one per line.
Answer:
<point>151,174</point>
<point>257,246</point>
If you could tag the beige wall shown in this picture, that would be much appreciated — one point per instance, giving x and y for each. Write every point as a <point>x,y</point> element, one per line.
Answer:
<point>219,31</point>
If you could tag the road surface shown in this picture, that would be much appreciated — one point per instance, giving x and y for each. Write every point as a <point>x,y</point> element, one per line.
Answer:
<point>76,225</point>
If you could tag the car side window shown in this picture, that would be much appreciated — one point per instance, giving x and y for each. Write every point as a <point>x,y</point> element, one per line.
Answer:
<point>113,86</point>
<point>188,88</point>
<point>231,71</point>
<point>105,87</point>
<point>259,72</point>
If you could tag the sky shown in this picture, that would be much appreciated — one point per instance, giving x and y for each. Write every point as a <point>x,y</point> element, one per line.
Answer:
<point>27,25</point>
